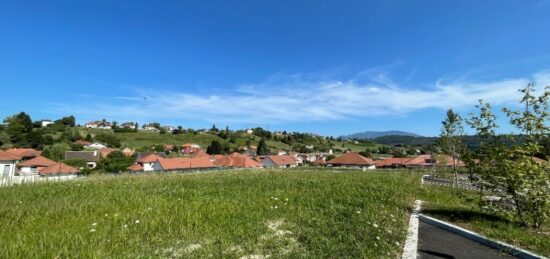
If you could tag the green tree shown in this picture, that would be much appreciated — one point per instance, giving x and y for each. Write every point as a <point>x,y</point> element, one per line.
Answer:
<point>89,138</point>
<point>18,127</point>
<point>67,121</point>
<point>214,148</point>
<point>108,139</point>
<point>56,151</point>
<point>451,140</point>
<point>262,148</point>
<point>115,162</point>
<point>510,169</point>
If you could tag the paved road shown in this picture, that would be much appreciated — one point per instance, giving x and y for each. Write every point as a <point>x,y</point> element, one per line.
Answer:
<point>434,242</point>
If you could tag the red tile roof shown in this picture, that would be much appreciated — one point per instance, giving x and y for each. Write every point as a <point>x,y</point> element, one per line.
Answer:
<point>135,168</point>
<point>351,158</point>
<point>83,142</point>
<point>283,160</point>
<point>24,152</point>
<point>58,168</point>
<point>237,160</point>
<point>182,163</point>
<point>151,158</point>
<point>319,162</point>
<point>421,160</point>
<point>106,151</point>
<point>392,162</point>
<point>5,156</point>
<point>37,161</point>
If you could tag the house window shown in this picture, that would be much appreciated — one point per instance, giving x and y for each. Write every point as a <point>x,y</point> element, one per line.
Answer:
<point>6,173</point>
<point>33,169</point>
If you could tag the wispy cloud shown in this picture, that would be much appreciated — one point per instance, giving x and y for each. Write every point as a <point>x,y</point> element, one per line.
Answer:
<point>285,98</point>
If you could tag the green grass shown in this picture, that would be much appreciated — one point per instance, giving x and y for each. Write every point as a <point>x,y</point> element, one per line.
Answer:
<point>281,213</point>
<point>461,208</point>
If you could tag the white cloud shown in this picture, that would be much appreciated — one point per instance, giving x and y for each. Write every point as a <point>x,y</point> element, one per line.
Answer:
<point>301,98</point>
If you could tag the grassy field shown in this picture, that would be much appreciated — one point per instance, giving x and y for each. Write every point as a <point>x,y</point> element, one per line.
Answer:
<point>461,208</point>
<point>231,214</point>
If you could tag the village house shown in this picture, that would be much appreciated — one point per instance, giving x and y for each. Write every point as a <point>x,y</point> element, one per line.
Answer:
<point>59,171</point>
<point>169,128</point>
<point>34,165</point>
<point>8,163</point>
<point>146,161</point>
<point>91,157</point>
<point>95,146</point>
<point>352,160</point>
<point>98,125</point>
<point>283,161</point>
<point>190,148</point>
<point>45,123</point>
<point>392,162</point>
<point>128,125</point>
<point>82,142</point>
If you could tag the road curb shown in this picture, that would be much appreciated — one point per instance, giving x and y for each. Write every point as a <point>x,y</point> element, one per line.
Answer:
<point>507,248</point>
<point>411,244</point>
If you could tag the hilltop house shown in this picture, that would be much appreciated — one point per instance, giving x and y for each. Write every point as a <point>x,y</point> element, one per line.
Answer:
<point>283,161</point>
<point>128,125</point>
<point>95,145</point>
<point>352,160</point>
<point>45,123</point>
<point>91,157</point>
<point>98,125</point>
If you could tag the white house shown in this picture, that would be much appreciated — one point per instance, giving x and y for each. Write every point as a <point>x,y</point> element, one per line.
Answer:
<point>98,125</point>
<point>8,163</point>
<point>45,123</point>
<point>32,166</point>
<point>95,146</point>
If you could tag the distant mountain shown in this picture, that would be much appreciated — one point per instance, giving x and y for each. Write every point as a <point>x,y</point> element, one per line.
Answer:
<point>377,134</point>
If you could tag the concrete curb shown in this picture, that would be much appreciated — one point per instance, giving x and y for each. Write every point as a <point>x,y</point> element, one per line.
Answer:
<point>411,244</point>
<point>507,248</point>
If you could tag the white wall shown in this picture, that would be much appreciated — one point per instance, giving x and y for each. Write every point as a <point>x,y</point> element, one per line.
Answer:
<point>11,169</point>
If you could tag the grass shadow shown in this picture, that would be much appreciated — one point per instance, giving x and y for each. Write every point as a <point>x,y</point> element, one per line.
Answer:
<point>465,215</point>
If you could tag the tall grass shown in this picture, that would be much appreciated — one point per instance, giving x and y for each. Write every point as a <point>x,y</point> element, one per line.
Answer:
<point>251,213</point>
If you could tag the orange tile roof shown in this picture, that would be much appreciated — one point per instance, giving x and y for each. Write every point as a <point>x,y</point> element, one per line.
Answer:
<point>237,160</point>
<point>351,158</point>
<point>392,161</point>
<point>106,151</point>
<point>151,158</point>
<point>282,160</point>
<point>37,161</point>
<point>182,163</point>
<point>24,152</point>
<point>5,156</point>
<point>135,168</point>
<point>421,160</point>
<point>58,168</point>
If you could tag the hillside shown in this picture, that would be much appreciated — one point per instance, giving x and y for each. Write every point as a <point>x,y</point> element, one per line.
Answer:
<point>377,134</point>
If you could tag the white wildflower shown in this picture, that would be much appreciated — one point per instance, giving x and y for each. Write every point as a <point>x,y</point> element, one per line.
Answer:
<point>137,222</point>
<point>92,230</point>
<point>358,212</point>
<point>377,238</point>
<point>397,243</point>
<point>374,225</point>
<point>389,231</point>
<point>94,224</point>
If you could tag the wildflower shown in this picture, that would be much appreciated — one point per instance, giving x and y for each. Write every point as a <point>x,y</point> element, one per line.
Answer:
<point>137,222</point>
<point>397,243</point>
<point>92,230</point>
<point>375,245</point>
<point>358,212</point>
<point>125,226</point>
<point>94,224</point>
<point>377,238</point>
<point>374,225</point>
<point>106,215</point>
<point>389,231</point>
<point>275,207</point>
<point>393,220</point>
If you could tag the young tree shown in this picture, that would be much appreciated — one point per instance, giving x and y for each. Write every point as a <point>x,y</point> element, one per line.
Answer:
<point>262,148</point>
<point>18,127</point>
<point>451,140</point>
<point>214,148</point>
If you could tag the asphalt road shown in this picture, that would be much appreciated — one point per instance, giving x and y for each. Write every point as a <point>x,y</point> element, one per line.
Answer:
<point>434,242</point>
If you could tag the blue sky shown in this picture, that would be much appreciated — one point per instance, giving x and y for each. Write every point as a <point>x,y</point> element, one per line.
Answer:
<point>331,68</point>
